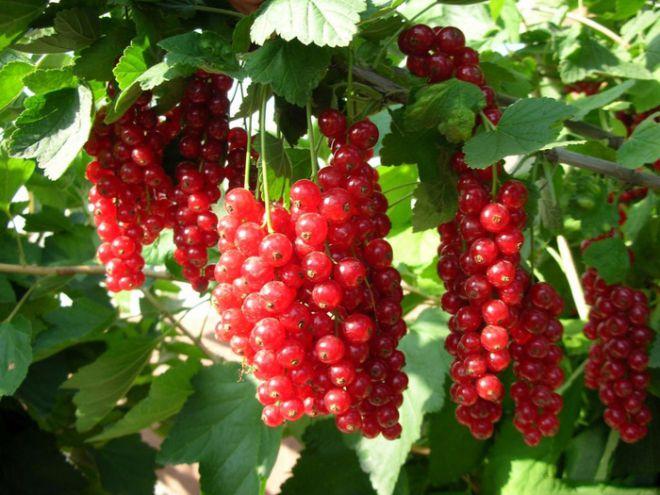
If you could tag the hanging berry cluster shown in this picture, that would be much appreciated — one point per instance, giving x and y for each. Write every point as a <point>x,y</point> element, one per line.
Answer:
<point>617,362</point>
<point>203,144</point>
<point>134,198</point>
<point>498,315</point>
<point>131,191</point>
<point>313,304</point>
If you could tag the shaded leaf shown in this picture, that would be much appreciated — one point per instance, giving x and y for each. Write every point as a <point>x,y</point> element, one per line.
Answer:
<point>73,29</point>
<point>609,257</point>
<point>15,353</point>
<point>16,16</point>
<point>127,466</point>
<point>166,397</point>
<point>435,203</point>
<point>220,427</point>
<point>291,68</point>
<point>326,457</point>
<point>102,383</point>
<point>14,172</point>
<point>643,145</point>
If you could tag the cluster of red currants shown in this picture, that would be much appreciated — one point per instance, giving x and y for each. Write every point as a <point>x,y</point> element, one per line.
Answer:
<point>497,314</point>
<point>204,139</point>
<point>133,196</point>
<point>309,297</point>
<point>617,362</point>
<point>131,191</point>
<point>438,54</point>
<point>536,356</point>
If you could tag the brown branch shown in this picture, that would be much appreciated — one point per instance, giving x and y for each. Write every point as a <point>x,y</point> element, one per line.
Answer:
<point>398,94</point>
<point>605,167</point>
<point>46,271</point>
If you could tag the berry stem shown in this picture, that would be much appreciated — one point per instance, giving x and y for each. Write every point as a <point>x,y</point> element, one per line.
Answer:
<point>264,166</point>
<point>604,464</point>
<point>493,189</point>
<point>574,376</point>
<point>312,146</point>
<point>248,157</point>
<point>179,326</point>
<point>349,86</point>
<point>212,10</point>
<point>20,303</point>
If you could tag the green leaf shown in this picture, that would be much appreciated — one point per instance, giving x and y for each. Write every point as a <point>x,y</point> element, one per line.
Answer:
<point>435,203</point>
<point>609,257</point>
<point>16,16</point>
<point>220,427</point>
<point>322,22</point>
<point>15,353</point>
<point>166,397</point>
<point>53,128</point>
<point>241,36</point>
<point>638,215</point>
<point>68,326</point>
<point>73,29</point>
<point>11,80</point>
<point>403,147</point>
<point>97,60</point>
<point>14,172</point>
<point>588,57</point>
<point>206,50</point>
<point>505,75</point>
<point>451,106</point>
<point>397,184</point>
<point>599,100</point>
<point>643,145</point>
<point>46,80</point>
<point>583,454</point>
<point>127,466</point>
<point>427,366</point>
<point>133,62</point>
<point>6,291</point>
<point>525,126</point>
<point>102,383</point>
<point>446,438</point>
<point>292,69</point>
<point>326,457</point>
<point>645,95</point>
<point>513,468</point>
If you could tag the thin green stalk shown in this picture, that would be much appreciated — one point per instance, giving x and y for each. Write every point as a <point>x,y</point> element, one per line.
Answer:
<point>20,303</point>
<point>248,152</point>
<point>577,372</point>
<point>493,187</point>
<point>608,452</point>
<point>400,200</point>
<point>312,146</point>
<point>212,10</point>
<point>349,86</point>
<point>264,166</point>
<point>400,186</point>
